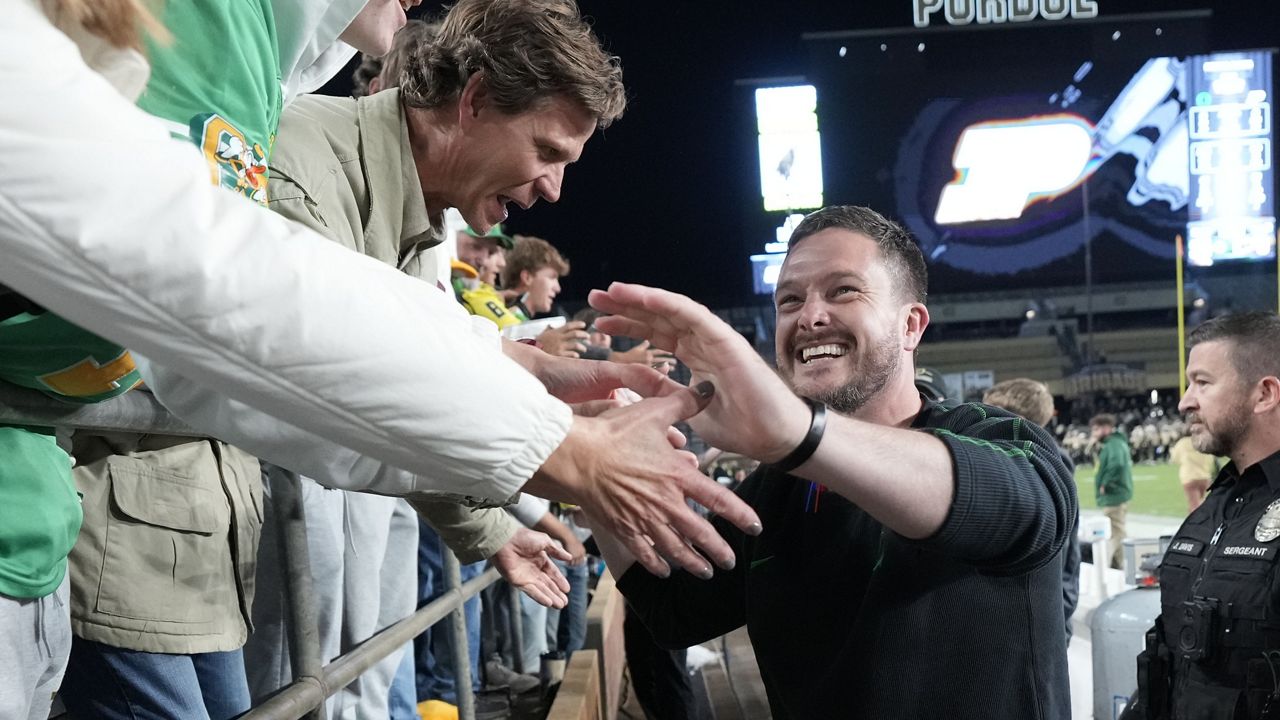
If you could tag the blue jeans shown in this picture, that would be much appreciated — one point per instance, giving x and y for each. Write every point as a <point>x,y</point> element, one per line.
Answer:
<point>402,702</point>
<point>567,628</point>
<point>109,682</point>
<point>434,648</point>
<point>533,628</point>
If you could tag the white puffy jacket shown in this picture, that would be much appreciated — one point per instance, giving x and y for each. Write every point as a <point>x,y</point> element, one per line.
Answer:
<point>107,221</point>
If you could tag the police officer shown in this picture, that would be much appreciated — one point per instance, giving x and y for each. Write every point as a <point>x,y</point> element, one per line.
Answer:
<point>1214,652</point>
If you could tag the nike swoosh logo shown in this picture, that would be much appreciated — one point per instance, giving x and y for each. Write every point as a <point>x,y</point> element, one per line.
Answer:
<point>757,563</point>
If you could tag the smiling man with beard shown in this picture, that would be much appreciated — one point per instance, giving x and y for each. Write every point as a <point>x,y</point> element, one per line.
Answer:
<point>1214,652</point>
<point>910,560</point>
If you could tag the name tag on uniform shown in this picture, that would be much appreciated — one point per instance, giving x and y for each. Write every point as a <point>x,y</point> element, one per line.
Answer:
<point>1186,547</point>
<point>1257,552</point>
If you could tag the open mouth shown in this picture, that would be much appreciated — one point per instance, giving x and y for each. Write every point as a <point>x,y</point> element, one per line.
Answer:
<point>503,201</point>
<point>507,199</point>
<point>815,353</point>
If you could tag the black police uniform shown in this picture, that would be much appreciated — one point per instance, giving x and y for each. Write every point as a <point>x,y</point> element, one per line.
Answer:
<point>1214,653</point>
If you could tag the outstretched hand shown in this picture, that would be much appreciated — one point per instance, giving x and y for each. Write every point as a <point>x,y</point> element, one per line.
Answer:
<point>525,562</point>
<point>622,469</point>
<point>568,340</point>
<point>581,380</point>
<point>753,412</point>
<point>660,360</point>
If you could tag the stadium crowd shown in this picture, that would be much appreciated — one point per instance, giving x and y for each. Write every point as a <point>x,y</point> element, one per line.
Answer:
<point>1152,431</point>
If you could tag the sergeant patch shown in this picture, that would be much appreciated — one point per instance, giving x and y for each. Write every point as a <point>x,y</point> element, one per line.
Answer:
<point>1258,552</point>
<point>1268,527</point>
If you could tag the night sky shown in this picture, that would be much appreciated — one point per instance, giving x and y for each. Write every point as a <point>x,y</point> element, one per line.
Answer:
<point>660,196</point>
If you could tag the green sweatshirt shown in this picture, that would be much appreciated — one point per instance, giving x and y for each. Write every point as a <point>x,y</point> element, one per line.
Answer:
<point>39,510</point>
<point>39,515</point>
<point>1114,479</point>
<point>229,110</point>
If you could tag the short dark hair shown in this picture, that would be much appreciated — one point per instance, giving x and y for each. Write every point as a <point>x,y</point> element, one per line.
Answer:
<point>528,50</point>
<point>1103,420</point>
<point>1255,338</point>
<point>902,256</point>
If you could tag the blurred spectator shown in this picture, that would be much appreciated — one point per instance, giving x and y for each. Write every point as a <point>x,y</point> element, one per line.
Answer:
<point>1160,427</point>
<point>486,252</point>
<point>533,273</point>
<point>531,281</point>
<point>377,73</point>
<point>1113,480</point>
<point>1196,471</point>
<point>930,384</point>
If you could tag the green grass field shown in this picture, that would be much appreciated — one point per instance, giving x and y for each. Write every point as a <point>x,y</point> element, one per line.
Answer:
<point>1156,490</point>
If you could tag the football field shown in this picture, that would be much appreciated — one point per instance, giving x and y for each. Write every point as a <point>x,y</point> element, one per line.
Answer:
<point>1156,490</point>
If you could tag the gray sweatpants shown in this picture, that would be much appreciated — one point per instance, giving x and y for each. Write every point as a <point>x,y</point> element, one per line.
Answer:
<point>363,552</point>
<point>36,636</point>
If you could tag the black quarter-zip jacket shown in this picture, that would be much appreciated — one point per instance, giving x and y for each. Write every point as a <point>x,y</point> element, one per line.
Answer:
<point>850,620</point>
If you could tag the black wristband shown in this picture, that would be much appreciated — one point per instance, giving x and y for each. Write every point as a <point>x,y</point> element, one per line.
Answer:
<point>809,444</point>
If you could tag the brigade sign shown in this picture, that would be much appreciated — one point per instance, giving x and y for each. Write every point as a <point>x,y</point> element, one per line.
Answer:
<point>963,12</point>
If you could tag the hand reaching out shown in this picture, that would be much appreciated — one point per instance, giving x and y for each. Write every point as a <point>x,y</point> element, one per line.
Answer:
<point>643,354</point>
<point>753,412</point>
<point>568,340</point>
<point>574,380</point>
<point>620,466</point>
<point>525,562</point>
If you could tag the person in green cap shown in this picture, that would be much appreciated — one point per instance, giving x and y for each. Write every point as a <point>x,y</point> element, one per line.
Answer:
<point>480,260</point>
<point>486,252</point>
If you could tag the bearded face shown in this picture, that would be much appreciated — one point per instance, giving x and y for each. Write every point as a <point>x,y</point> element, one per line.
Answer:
<point>1216,402</point>
<point>838,338</point>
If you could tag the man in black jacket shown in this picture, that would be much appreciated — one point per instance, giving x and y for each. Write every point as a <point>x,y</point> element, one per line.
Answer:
<point>910,561</point>
<point>1214,653</point>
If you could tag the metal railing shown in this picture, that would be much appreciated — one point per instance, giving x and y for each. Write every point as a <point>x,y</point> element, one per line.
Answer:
<point>139,412</point>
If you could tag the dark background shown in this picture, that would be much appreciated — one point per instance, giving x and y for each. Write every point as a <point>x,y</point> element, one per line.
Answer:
<point>664,196</point>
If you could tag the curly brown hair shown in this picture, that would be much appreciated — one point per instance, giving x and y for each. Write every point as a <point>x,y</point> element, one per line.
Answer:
<point>526,51</point>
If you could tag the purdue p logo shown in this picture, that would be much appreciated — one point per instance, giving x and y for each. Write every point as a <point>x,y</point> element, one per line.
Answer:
<point>1004,166</point>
